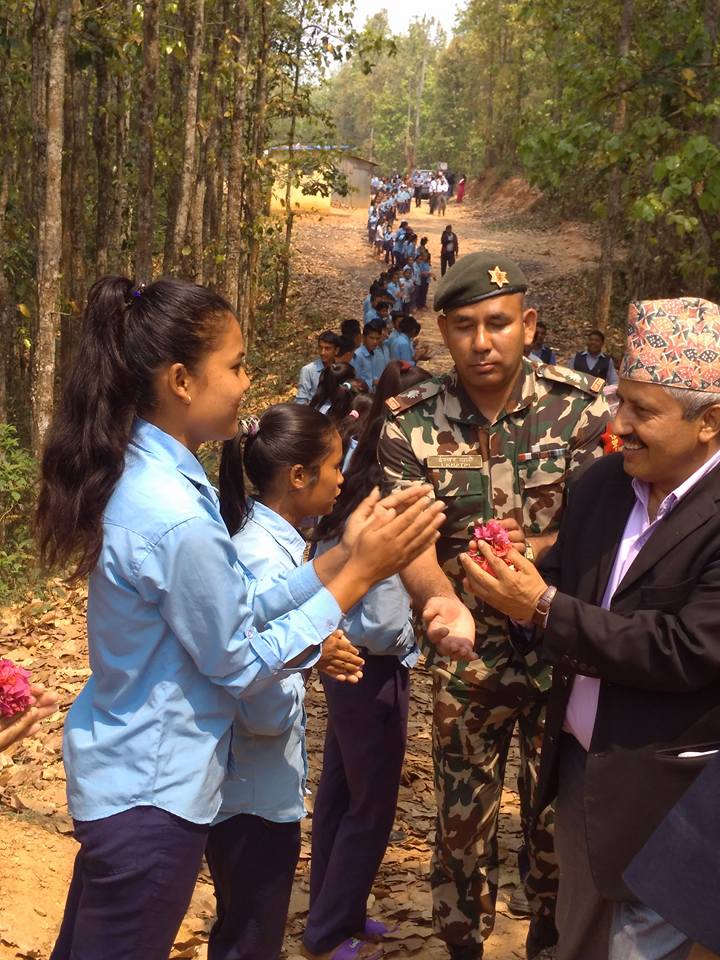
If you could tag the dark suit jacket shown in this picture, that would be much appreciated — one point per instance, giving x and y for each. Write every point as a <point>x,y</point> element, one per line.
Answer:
<point>677,872</point>
<point>656,651</point>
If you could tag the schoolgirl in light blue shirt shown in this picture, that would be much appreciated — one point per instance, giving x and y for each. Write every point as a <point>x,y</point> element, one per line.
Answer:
<point>178,629</point>
<point>367,725</point>
<point>293,459</point>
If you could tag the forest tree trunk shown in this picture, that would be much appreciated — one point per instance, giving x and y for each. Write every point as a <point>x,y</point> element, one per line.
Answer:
<point>187,174</point>
<point>285,258</point>
<point>611,226</point>
<point>255,180</point>
<point>236,163</point>
<point>103,146</point>
<point>50,251</point>
<point>146,152</point>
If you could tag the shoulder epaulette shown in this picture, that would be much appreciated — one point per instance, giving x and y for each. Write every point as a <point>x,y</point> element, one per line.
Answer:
<point>574,378</point>
<point>410,398</point>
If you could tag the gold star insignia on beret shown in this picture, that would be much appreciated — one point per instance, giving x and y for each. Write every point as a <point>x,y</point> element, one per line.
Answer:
<point>498,277</point>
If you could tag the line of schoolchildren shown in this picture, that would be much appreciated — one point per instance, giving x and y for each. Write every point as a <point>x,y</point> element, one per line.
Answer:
<point>204,619</point>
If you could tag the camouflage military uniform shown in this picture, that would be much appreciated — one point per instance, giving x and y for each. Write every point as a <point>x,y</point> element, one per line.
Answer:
<point>515,467</point>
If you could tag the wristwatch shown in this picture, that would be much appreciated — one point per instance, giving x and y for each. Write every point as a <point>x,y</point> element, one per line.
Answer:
<point>542,608</point>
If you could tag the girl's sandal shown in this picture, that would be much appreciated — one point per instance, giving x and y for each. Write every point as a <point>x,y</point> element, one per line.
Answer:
<point>350,949</point>
<point>375,931</point>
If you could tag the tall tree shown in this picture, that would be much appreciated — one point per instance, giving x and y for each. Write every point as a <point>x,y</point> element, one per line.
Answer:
<point>50,232</point>
<point>145,204</point>
<point>236,163</point>
<point>187,175</point>
<point>612,224</point>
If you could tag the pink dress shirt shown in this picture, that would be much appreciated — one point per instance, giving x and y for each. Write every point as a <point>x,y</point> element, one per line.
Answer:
<point>582,705</point>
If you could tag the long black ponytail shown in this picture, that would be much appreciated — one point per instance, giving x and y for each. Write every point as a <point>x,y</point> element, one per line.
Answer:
<point>364,471</point>
<point>287,434</point>
<point>128,334</point>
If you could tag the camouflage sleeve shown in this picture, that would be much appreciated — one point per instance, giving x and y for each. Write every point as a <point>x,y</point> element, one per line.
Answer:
<point>400,467</point>
<point>586,444</point>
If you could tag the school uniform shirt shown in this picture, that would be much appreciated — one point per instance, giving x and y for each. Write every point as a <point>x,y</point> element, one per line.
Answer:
<point>383,359</point>
<point>394,289</point>
<point>268,763</point>
<point>402,348</point>
<point>364,366</point>
<point>381,622</point>
<point>368,307</point>
<point>308,380</point>
<point>178,630</point>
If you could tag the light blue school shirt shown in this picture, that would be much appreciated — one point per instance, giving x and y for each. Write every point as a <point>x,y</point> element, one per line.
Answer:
<point>381,358</point>
<point>364,366</point>
<point>381,622</point>
<point>268,764</point>
<point>402,348</point>
<point>308,380</point>
<point>394,290</point>
<point>368,308</point>
<point>178,631</point>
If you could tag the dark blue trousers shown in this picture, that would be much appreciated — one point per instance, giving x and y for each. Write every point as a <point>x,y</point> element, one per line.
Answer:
<point>356,799</point>
<point>131,886</point>
<point>252,862</point>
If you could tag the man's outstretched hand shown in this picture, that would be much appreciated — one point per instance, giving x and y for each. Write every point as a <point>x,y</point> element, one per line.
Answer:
<point>450,628</point>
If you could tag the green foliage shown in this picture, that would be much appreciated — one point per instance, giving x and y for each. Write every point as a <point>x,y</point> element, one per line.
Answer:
<point>18,478</point>
<point>538,87</point>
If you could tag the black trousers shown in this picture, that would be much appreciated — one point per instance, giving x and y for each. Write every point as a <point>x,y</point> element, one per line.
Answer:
<point>252,862</point>
<point>356,798</point>
<point>446,260</point>
<point>131,885</point>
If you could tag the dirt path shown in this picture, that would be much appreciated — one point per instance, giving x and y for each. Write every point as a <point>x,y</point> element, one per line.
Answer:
<point>334,270</point>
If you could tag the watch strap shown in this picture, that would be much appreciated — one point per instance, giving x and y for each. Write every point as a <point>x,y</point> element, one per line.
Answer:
<point>542,608</point>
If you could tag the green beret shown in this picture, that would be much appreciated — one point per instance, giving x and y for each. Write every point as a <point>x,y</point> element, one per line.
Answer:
<point>478,276</point>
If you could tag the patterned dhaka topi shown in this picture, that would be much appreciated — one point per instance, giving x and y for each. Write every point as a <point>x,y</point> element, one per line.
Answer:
<point>675,343</point>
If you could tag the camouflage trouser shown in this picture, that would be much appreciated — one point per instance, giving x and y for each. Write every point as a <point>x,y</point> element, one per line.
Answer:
<point>472,728</point>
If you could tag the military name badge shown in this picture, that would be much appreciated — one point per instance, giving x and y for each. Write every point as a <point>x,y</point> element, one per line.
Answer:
<point>454,463</point>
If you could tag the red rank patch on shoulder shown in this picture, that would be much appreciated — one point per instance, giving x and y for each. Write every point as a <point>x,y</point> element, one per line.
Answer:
<point>611,442</point>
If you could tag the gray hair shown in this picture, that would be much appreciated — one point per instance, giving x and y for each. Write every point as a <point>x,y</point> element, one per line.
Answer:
<point>693,402</point>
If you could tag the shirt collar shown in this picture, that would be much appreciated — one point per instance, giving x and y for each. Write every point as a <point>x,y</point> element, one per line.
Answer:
<point>280,529</point>
<point>162,446</point>
<point>460,407</point>
<point>642,488</point>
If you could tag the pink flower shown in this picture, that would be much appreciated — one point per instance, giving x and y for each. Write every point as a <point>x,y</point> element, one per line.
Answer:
<point>14,689</point>
<point>497,536</point>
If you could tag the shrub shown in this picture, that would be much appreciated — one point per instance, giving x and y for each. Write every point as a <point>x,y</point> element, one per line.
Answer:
<point>18,482</point>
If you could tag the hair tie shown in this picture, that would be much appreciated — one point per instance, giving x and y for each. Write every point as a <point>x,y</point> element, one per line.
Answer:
<point>136,294</point>
<point>346,385</point>
<point>249,427</point>
<point>354,415</point>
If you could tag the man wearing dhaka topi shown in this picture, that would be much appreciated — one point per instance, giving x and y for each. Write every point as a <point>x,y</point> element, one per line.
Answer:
<point>627,609</point>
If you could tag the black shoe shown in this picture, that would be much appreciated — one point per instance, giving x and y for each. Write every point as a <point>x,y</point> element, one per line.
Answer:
<point>470,951</point>
<point>542,936</point>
